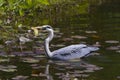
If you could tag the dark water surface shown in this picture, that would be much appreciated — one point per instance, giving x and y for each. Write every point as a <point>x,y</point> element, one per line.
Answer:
<point>100,26</point>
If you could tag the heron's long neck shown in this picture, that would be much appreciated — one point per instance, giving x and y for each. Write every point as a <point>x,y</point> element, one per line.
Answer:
<point>47,40</point>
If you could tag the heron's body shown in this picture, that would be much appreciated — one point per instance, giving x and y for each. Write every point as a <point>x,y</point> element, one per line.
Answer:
<point>66,53</point>
<point>72,52</point>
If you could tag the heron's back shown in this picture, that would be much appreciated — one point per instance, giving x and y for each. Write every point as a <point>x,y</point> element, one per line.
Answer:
<point>73,51</point>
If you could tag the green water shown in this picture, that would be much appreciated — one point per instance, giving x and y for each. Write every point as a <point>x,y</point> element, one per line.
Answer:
<point>100,24</point>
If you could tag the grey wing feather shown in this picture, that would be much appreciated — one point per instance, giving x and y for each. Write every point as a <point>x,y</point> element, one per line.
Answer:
<point>70,52</point>
<point>68,49</point>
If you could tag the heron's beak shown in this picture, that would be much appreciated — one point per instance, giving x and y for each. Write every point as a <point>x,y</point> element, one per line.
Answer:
<point>36,30</point>
<point>38,27</point>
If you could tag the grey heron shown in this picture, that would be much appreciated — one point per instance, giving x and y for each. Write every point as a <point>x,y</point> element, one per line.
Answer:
<point>66,53</point>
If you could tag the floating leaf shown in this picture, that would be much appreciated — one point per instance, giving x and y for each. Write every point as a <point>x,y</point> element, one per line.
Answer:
<point>35,75</point>
<point>118,77</point>
<point>40,56</point>
<point>4,60</point>
<point>10,55</point>
<point>11,66</point>
<point>118,46</point>
<point>113,48</point>
<point>77,71</point>
<point>63,63</point>
<point>79,37</point>
<point>80,75</point>
<point>58,74</point>
<point>30,60</point>
<point>8,68</point>
<point>89,70</point>
<point>42,75</point>
<point>67,39</point>
<point>69,67</point>
<point>89,32</point>
<point>118,51</point>
<point>57,36</point>
<point>20,77</point>
<point>112,41</point>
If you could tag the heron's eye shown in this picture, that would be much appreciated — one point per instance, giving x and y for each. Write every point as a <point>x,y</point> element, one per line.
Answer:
<point>48,27</point>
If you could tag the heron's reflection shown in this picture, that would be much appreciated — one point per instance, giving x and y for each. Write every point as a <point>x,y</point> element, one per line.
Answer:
<point>49,77</point>
<point>67,70</point>
<point>42,71</point>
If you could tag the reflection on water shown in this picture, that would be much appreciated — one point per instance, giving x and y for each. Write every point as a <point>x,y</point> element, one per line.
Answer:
<point>39,68</point>
<point>75,69</point>
<point>97,25</point>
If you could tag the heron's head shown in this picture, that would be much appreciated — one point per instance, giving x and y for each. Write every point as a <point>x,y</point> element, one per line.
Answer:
<point>46,27</point>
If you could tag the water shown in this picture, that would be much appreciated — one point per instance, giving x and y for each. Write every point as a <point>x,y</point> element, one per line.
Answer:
<point>99,26</point>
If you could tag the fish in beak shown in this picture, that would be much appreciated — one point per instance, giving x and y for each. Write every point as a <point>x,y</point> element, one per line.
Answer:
<point>36,30</point>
